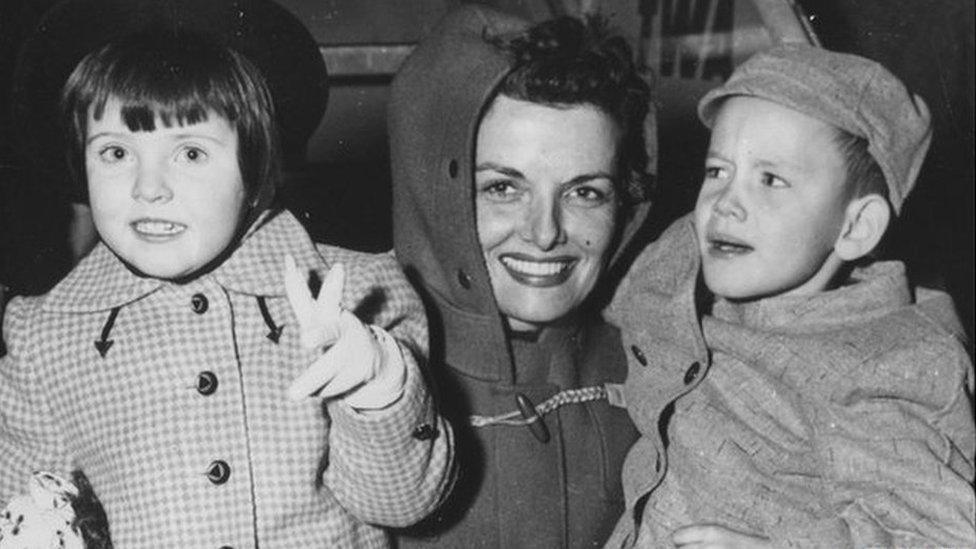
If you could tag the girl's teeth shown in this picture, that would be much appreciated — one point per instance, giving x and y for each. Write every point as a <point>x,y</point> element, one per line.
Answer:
<point>158,227</point>
<point>535,268</point>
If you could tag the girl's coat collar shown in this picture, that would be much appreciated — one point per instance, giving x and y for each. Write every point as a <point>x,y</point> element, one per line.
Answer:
<point>102,282</point>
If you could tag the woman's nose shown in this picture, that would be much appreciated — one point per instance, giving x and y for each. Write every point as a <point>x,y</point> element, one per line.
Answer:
<point>544,226</point>
<point>151,184</point>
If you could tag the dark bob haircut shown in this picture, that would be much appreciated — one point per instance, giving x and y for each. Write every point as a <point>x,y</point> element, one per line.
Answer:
<point>568,61</point>
<point>175,77</point>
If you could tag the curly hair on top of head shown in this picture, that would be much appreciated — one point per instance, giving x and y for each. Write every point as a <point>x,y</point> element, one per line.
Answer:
<point>572,61</point>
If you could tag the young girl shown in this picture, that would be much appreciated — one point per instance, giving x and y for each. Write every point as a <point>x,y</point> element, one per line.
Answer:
<point>184,365</point>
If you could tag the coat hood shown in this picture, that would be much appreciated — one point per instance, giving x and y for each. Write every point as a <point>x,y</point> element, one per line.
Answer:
<point>436,103</point>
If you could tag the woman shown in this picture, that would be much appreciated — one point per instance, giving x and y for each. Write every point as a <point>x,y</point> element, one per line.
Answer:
<point>518,160</point>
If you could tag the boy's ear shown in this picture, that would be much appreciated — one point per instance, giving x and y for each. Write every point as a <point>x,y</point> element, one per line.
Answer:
<point>865,222</point>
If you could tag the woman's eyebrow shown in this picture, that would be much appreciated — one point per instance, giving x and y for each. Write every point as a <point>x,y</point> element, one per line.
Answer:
<point>505,170</point>
<point>583,178</point>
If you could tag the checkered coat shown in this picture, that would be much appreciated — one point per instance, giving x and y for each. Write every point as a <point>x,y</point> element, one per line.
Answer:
<point>171,398</point>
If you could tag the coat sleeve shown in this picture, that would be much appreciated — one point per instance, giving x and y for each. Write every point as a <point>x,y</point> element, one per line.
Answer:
<point>29,439</point>
<point>899,462</point>
<point>392,466</point>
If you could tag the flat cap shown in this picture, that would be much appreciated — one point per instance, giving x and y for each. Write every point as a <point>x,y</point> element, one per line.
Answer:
<point>848,91</point>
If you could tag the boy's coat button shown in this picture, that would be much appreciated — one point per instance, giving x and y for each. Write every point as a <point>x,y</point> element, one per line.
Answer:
<point>199,303</point>
<point>207,383</point>
<point>424,432</point>
<point>218,472</point>
<point>639,355</point>
<point>692,372</point>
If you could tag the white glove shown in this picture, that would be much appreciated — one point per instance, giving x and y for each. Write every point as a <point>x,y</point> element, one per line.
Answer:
<point>360,364</point>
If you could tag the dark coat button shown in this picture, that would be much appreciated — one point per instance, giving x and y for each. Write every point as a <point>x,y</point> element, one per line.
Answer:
<point>218,472</point>
<point>463,279</point>
<point>692,373</point>
<point>199,303</point>
<point>452,168</point>
<point>639,355</point>
<point>424,432</point>
<point>537,426</point>
<point>207,383</point>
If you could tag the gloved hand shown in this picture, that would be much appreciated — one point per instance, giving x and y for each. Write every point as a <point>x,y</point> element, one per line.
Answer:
<point>360,364</point>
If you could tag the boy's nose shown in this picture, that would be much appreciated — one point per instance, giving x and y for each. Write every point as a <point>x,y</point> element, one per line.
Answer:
<point>729,203</point>
<point>151,185</point>
<point>543,224</point>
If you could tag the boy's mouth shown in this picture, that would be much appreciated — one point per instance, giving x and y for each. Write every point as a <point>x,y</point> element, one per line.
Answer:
<point>535,272</point>
<point>157,228</point>
<point>722,245</point>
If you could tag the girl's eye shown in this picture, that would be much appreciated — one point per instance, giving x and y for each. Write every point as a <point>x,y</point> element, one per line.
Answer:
<point>770,180</point>
<point>193,155</point>
<point>113,154</point>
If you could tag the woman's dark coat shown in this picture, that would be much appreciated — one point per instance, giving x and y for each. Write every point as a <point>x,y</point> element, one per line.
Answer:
<point>513,490</point>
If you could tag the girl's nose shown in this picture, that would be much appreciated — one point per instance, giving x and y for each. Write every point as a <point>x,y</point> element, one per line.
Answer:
<point>151,184</point>
<point>543,226</point>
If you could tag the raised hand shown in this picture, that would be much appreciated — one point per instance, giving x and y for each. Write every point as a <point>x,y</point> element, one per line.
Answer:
<point>352,356</point>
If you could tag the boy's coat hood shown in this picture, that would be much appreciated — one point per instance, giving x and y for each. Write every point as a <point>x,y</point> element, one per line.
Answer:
<point>437,99</point>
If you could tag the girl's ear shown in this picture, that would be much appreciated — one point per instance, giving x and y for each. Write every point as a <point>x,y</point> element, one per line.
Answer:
<point>865,222</point>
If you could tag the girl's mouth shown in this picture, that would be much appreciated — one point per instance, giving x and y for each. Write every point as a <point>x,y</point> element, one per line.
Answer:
<point>536,272</point>
<point>157,229</point>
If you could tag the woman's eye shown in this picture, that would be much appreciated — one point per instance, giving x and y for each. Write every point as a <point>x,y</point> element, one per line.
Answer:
<point>591,195</point>
<point>193,154</point>
<point>113,154</point>
<point>770,180</point>
<point>499,190</point>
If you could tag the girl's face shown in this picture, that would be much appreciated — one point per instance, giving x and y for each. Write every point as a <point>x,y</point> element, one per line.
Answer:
<point>167,201</point>
<point>546,205</point>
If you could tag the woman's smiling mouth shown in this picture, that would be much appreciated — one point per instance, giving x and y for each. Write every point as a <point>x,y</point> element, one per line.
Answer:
<point>538,273</point>
<point>157,229</point>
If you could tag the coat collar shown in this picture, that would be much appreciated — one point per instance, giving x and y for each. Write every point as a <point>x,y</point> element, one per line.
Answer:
<point>101,281</point>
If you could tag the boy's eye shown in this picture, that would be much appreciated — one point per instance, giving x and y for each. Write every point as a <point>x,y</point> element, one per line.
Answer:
<point>770,180</point>
<point>112,154</point>
<point>714,172</point>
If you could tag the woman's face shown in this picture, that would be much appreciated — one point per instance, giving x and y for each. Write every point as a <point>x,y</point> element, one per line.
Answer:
<point>546,205</point>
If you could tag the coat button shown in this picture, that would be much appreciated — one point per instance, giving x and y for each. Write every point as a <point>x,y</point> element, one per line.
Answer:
<point>199,303</point>
<point>424,432</point>
<point>639,355</point>
<point>207,383</point>
<point>692,373</point>
<point>463,279</point>
<point>452,168</point>
<point>218,472</point>
<point>537,426</point>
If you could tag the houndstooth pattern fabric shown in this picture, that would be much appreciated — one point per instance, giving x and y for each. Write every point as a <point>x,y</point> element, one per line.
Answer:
<point>179,460</point>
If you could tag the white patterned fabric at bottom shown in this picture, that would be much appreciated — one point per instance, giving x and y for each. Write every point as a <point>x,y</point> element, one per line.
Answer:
<point>43,517</point>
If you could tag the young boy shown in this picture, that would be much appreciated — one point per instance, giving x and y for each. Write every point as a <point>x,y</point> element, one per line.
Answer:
<point>804,396</point>
<point>184,365</point>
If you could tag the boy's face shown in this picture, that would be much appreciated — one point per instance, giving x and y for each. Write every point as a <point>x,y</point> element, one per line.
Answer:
<point>772,204</point>
<point>166,201</point>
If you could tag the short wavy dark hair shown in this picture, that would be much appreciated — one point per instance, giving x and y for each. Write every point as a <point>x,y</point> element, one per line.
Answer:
<point>176,77</point>
<point>573,61</point>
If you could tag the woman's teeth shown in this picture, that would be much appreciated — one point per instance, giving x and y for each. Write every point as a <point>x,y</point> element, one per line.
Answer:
<point>535,268</point>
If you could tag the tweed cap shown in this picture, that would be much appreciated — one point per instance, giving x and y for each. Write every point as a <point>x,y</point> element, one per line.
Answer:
<point>847,91</point>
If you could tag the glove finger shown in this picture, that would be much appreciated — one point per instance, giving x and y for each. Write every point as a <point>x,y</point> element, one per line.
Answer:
<point>319,374</point>
<point>300,299</point>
